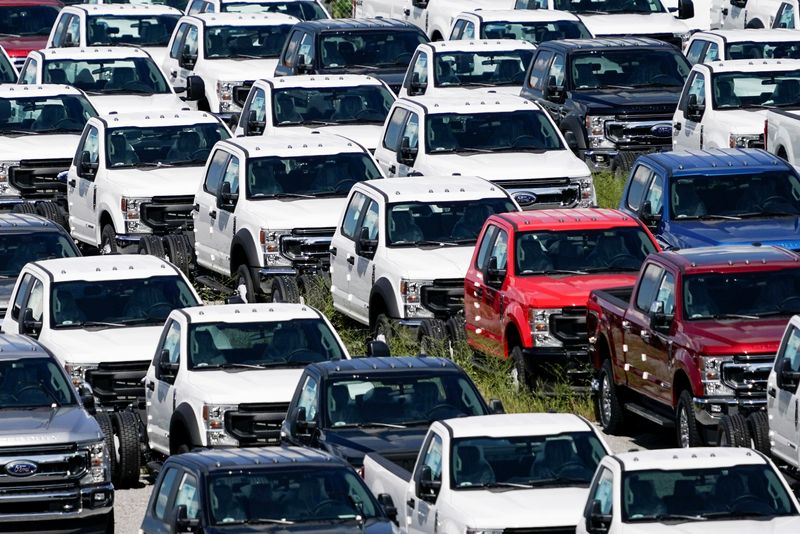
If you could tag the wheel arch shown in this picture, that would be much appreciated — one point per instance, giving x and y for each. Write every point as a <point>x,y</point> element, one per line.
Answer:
<point>382,299</point>
<point>182,425</point>
<point>243,251</point>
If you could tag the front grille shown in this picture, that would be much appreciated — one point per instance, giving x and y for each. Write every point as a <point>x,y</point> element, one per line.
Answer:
<point>444,297</point>
<point>256,424</point>
<point>53,465</point>
<point>38,178</point>
<point>540,530</point>
<point>240,93</point>
<point>118,383</point>
<point>308,247</point>
<point>19,62</point>
<point>747,375</point>
<point>29,497</point>
<point>542,193</point>
<point>165,214</point>
<point>569,326</point>
<point>640,131</point>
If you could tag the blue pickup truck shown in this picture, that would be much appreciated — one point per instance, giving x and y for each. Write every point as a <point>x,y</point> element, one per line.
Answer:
<point>715,197</point>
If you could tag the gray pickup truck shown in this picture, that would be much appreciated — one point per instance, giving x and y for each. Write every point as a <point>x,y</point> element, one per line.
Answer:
<point>54,470</point>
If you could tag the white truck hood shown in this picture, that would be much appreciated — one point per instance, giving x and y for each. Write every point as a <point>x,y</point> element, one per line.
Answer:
<point>366,135</point>
<point>104,345</point>
<point>740,121</point>
<point>234,386</point>
<point>39,146</point>
<point>521,508</point>
<point>633,24</point>
<point>430,263</point>
<point>236,70</point>
<point>166,181</point>
<point>773,526</point>
<point>158,53</point>
<point>509,165</point>
<point>129,103</point>
<point>280,214</point>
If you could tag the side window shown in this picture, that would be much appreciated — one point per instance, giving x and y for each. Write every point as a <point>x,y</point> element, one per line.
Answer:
<point>36,299</point>
<point>28,75</point>
<point>557,71</point>
<point>458,29</point>
<point>790,350</point>
<point>603,492</point>
<point>785,18</point>
<point>291,49</point>
<point>72,37</point>
<point>695,52</point>
<point>163,493</point>
<point>500,249</point>
<point>61,28</point>
<point>306,50</point>
<point>420,70</point>
<point>214,175</point>
<point>433,457</point>
<point>22,294</point>
<point>411,131</point>
<point>539,70</point>
<point>641,176</point>
<point>231,175</point>
<point>353,213</point>
<point>371,220</point>
<point>187,496</point>
<point>308,398</point>
<point>648,287</point>
<point>180,33</point>
<point>697,86</point>
<point>391,139</point>
<point>172,343</point>
<point>712,54</point>
<point>91,145</point>
<point>488,237</point>
<point>655,195</point>
<point>666,293</point>
<point>469,31</point>
<point>254,112</point>
<point>190,43</point>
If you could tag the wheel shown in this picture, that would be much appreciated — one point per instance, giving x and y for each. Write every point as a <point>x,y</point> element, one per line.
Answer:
<point>104,422</point>
<point>126,437</point>
<point>52,211</point>
<point>455,327</point>
<point>431,335</point>
<point>758,425</point>
<point>687,432</point>
<point>285,289</point>
<point>177,252</point>
<point>520,375</point>
<point>732,431</point>
<point>108,240</point>
<point>244,284</point>
<point>383,326</point>
<point>24,207</point>
<point>152,245</point>
<point>608,407</point>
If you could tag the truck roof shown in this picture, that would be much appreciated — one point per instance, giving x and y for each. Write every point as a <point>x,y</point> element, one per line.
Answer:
<point>521,15</point>
<point>726,256</point>
<point>750,65</point>
<point>478,45</point>
<point>248,313</point>
<point>15,346</point>
<point>300,144</point>
<point>761,35</point>
<point>435,188</point>
<point>714,161</point>
<point>466,101</point>
<point>210,460</point>
<point>320,80</point>
<point>157,118</point>
<point>566,219</point>
<point>112,267</point>
<point>92,52</point>
<point>388,364</point>
<point>14,222</point>
<point>242,19</point>
<point>121,10</point>
<point>518,424</point>
<point>694,458</point>
<point>31,3</point>
<point>572,45</point>
<point>11,90</point>
<point>356,25</point>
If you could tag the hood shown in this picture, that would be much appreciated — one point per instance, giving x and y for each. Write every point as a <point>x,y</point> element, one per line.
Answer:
<point>354,443</point>
<point>171,180</point>
<point>129,103</point>
<point>430,263</point>
<point>238,70</point>
<point>366,135</point>
<point>60,146</point>
<point>158,53</point>
<point>42,426</point>
<point>776,525</point>
<point>740,121</point>
<point>471,91</point>
<point>22,45</point>
<point>735,336</point>
<point>245,385</point>
<point>6,288</point>
<point>561,291</point>
<point>779,231</point>
<point>508,165</point>
<point>282,213</point>
<point>633,24</point>
<point>662,100</point>
<point>520,508</point>
<point>98,345</point>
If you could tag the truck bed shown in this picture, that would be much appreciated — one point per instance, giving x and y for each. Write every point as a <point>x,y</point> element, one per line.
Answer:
<point>614,300</point>
<point>385,476</point>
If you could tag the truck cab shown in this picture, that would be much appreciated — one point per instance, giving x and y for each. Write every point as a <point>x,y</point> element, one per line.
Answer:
<point>534,26</point>
<point>299,9</point>
<point>724,45</point>
<point>25,25</point>
<point>756,14</point>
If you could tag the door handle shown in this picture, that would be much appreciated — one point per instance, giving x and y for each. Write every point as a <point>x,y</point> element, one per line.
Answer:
<point>678,126</point>
<point>333,251</point>
<point>72,182</point>
<point>173,73</point>
<point>645,335</point>
<point>196,207</point>
<point>478,291</point>
<point>411,503</point>
<point>351,260</point>
<point>212,214</point>
<point>626,325</point>
<point>151,386</point>
<point>392,169</point>
<point>771,392</point>
<point>407,12</point>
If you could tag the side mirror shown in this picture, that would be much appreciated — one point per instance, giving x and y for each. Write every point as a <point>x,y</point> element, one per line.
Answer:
<point>694,111</point>
<point>195,88</point>
<point>253,126</point>
<point>659,321</point>
<point>225,199</point>
<point>553,92</point>
<point>167,368</point>
<point>187,59</point>
<point>87,168</point>
<point>181,521</point>
<point>416,87</point>
<point>389,508</point>
<point>686,9</point>
<point>647,215</point>
<point>303,67</point>
<point>572,141</point>
<point>788,377</point>
<point>496,405</point>
<point>421,4</point>
<point>598,522</point>
<point>739,3</point>
<point>407,154</point>
<point>28,326</point>
<point>87,398</point>
<point>377,348</point>
<point>303,425</point>
<point>494,276</point>
<point>365,246</point>
<point>427,488</point>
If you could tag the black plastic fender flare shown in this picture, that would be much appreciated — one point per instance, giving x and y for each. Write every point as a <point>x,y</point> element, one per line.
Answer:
<point>244,240</point>
<point>184,414</point>
<point>384,289</point>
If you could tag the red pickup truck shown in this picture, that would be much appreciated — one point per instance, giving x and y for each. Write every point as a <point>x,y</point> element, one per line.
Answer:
<point>25,26</point>
<point>694,338</point>
<point>531,273</point>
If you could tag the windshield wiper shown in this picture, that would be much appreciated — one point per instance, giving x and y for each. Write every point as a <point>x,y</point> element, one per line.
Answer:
<point>319,123</point>
<point>10,35</point>
<point>17,131</point>
<point>667,517</point>
<point>187,162</point>
<point>624,87</point>
<point>248,56</point>
<point>435,243</point>
<point>611,269</point>
<point>709,217</point>
<point>470,84</point>
<point>473,149</point>
<point>368,67</point>
<point>92,323</point>
<point>258,521</point>
<point>554,271</point>
<point>655,84</point>
<point>490,485</point>
<point>767,213</point>
<point>233,366</point>
<point>373,424</point>
<point>283,195</point>
<point>61,130</point>
<point>150,164</point>
<point>557,480</point>
<point>56,403</point>
<point>733,316</point>
<point>126,91</point>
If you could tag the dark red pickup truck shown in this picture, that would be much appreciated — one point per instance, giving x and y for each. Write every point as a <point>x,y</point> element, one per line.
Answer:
<point>694,339</point>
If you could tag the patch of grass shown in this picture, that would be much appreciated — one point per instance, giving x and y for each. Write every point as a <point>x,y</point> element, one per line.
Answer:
<point>608,189</point>
<point>341,9</point>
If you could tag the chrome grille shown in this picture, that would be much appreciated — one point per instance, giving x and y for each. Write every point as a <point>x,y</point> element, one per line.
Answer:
<point>747,374</point>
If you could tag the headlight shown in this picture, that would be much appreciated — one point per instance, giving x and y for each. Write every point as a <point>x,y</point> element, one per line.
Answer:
<point>596,131</point>
<point>225,95</point>
<point>98,461</point>
<point>540,327</point>
<point>77,373</point>
<point>214,421</point>
<point>131,207</point>
<point>484,530</point>
<point>4,168</point>
<point>586,197</point>
<point>271,247</point>
<point>746,140</point>
<point>711,375</point>
<point>411,294</point>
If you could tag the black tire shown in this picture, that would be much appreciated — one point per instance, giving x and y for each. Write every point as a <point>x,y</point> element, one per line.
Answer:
<point>456,330</point>
<point>110,522</point>
<point>285,289</point>
<point>52,211</point>
<point>431,335</point>
<point>24,207</point>
<point>732,431</point>
<point>177,252</point>
<point>687,432</point>
<point>758,426</point>
<point>126,430</point>
<point>383,326</point>
<point>108,240</point>
<point>104,422</point>
<point>607,404</point>
<point>245,284</point>
<point>521,377</point>
<point>152,245</point>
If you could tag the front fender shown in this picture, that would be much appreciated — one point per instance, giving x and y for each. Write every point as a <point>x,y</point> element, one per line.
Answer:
<point>390,296</point>
<point>105,205</point>
<point>517,316</point>
<point>686,362</point>
<point>186,415</point>
<point>245,239</point>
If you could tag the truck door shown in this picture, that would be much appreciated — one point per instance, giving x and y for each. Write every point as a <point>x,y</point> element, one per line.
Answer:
<point>637,334</point>
<point>491,295</point>
<point>687,128</point>
<point>782,399</point>
<point>160,386</point>
<point>14,313</point>
<point>658,344</point>
<point>81,191</point>
<point>362,267</point>
<point>253,119</point>
<point>206,206</point>
<point>736,16</point>
<point>474,287</point>
<point>343,251</point>
<point>225,220</point>
<point>386,152</point>
<point>421,509</point>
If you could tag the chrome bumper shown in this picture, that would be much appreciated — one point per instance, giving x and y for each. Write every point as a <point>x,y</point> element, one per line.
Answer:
<point>709,410</point>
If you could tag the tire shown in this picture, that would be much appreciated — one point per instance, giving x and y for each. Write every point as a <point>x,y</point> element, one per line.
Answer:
<point>245,285</point>
<point>431,335</point>
<point>607,405</point>
<point>108,241</point>
<point>285,289</point>
<point>126,431</point>
<point>733,431</point>
<point>179,255</point>
<point>686,431</point>
<point>152,245</point>
<point>521,377</point>
<point>110,522</point>
<point>24,207</point>
<point>52,211</point>
<point>104,422</point>
<point>758,426</point>
<point>456,330</point>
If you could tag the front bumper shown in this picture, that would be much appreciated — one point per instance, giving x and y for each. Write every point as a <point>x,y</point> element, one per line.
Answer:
<point>608,159</point>
<point>709,410</point>
<point>95,500</point>
<point>570,365</point>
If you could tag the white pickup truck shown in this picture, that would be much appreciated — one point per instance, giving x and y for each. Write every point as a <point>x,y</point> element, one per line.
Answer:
<point>782,133</point>
<point>755,14</point>
<point>300,9</point>
<point>493,474</point>
<point>532,25</point>
<point>724,45</point>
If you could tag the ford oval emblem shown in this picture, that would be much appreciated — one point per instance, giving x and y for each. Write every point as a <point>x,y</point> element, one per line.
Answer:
<point>524,198</point>
<point>662,130</point>
<point>21,468</point>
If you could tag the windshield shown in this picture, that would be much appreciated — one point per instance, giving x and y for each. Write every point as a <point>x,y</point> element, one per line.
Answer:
<point>126,302</point>
<point>105,76</point>
<point>292,343</point>
<point>33,383</point>
<point>515,131</point>
<point>67,113</point>
<point>249,42</point>
<point>581,251</point>
<point>441,223</point>
<point>308,176</point>
<point>760,50</point>
<point>742,295</point>
<point>535,32</point>
<point>297,9</point>
<point>335,105</point>
<point>289,495</point>
<point>481,68</point>
<point>369,48</point>
<point>186,144</point>
<point>18,21</point>
<point>704,494</point>
<point>735,196</point>
<point>629,68</point>
<point>747,90</point>
<point>601,7</point>
<point>400,400</point>
<point>17,250</point>
<point>150,30</point>
<point>567,459</point>
<point>7,73</point>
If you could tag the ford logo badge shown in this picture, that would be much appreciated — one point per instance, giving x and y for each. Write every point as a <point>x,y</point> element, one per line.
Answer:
<point>524,198</point>
<point>662,130</point>
<point>21,468</point>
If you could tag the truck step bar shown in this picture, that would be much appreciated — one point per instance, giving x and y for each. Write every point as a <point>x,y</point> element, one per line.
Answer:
<point>658,419</point>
